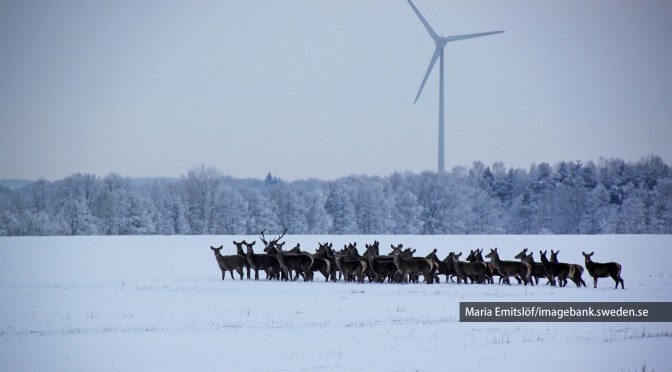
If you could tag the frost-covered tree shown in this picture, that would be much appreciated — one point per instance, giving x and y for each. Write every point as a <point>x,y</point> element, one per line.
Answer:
<point>262,212</point>
<point>201,186</point>
<point>662,206</point>
<point>230,212</point>
<point>317,217</point>
<point>441,197</point>
<point>373,208</point>
<point>610,196</point>
<point>340,208</point>
<point>407,213</point>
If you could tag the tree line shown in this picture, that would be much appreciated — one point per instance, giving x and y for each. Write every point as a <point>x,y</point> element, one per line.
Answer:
<point>607,197</point>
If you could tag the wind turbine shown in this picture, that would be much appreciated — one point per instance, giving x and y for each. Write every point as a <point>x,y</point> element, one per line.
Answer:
<point>440,42</point>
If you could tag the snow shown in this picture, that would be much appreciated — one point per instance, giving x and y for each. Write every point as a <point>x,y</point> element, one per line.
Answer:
<point>158,303</point>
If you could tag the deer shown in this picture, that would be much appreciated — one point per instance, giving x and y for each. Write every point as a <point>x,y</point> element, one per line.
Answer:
<point>553,269</point>
<point>319,264</point>
<point>412,266</point>
<point>475,271</point>
<point>443,267</point>
<point>266,262</point>
<point>324,251</point>
<point>510,268</point>
<point>351,269</point>
<point>603,270</point>
<point>491,271</point>
<point>300,263</point>
<point>537,268</point>
<point>351,253</point>
<point>241,252</point>
<point>578,270</point>
<point>270,249</point>
<point>229,263</point>
<point>382,267</point>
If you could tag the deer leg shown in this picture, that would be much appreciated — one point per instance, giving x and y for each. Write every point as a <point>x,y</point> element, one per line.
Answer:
<point>595,279</point>
<point>240,272</point>
<point>223,274</point>
<point>231,272</point>
<point>618,280</point>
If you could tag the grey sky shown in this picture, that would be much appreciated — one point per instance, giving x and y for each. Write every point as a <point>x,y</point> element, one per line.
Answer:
<point>325,88</point>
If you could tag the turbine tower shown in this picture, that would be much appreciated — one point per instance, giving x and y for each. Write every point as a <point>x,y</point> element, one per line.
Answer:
<point>440,42</point>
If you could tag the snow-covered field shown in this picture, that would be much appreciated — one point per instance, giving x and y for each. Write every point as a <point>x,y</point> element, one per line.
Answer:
<point>158,303</point>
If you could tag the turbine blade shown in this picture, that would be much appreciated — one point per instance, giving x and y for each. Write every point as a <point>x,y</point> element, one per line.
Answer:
<point>470,36</point>
<point>424,22</point>
<point>437,53</point>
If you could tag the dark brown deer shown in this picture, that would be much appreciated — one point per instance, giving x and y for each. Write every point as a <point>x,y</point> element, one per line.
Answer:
<point>319,264</point>
<point>324,251</point>
<point>511,268</point>
<point>266,262</point>
<point>299,263</point>
<point>475,271</point>
<point>477,256</point>
<point>603,270</point>
<point>444,267</point>
<point>241,252</point>
<point>553,269</point>
<point>351,269</point>
<point>413,266</point>
<point>382,267</point>
<point>537,268</point>
<point>229,263</point>
<point>577,278</point>
<point>351,253</point>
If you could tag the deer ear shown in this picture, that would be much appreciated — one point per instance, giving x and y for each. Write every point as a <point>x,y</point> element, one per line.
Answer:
<point>458,255</point>
<point>253,243</point>
<point>298,245</point>
<point>435,250</point>
<point>213,248</point>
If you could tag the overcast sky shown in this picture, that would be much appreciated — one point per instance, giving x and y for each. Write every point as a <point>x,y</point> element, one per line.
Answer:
<point>325,88</point>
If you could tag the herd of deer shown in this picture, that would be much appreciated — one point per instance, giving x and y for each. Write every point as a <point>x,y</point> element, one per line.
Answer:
<point>399,266</point>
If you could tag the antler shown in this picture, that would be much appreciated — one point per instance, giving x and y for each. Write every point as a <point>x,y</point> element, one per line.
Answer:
<point>263,238</point>
<point>280,237</point>
<point>273,241</point>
